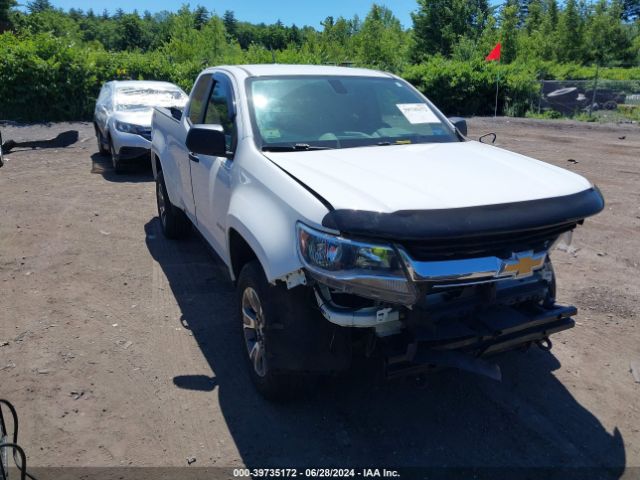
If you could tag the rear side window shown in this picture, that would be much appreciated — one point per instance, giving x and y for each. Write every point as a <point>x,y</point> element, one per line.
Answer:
<point>199,98</point>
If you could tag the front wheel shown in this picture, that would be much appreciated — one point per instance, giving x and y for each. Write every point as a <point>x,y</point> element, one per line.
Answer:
<point>258,315</point>
<point>115,159</point>
<point>101,143</point>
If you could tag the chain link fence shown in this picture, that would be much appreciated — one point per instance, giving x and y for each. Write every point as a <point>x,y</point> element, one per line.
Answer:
<point>573,97</point>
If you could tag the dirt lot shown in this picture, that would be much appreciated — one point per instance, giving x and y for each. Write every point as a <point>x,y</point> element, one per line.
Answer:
<point>122,351</point>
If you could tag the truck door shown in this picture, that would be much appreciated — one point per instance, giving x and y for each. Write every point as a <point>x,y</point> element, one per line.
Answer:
<point>211,176</point>
<point>194,115</point>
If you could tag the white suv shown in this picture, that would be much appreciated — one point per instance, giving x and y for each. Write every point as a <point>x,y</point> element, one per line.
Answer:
<point>122,117</point>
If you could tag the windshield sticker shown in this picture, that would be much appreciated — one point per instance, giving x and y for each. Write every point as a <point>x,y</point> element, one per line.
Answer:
<point>417,113</point>
<point>271,133</point>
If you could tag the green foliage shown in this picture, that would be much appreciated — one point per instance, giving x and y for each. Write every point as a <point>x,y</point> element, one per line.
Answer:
<point>606,39</point>
<point>569,33</point>
<point>52,62</point>
<point>230,24</point>
<point>509,20</point>
<point>439,24</point>
<point>546,115</point>
<point>39,6</point>
<point>47,78</point>
<point>564,71</point>
<point>469,88</point>
<point>380,42</point>
<point>43,74</point>
<point>631,10</point>
<point>5,7</point>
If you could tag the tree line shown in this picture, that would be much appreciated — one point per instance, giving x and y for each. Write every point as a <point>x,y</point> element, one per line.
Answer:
<point>68,54</point>
<point>606,32</point>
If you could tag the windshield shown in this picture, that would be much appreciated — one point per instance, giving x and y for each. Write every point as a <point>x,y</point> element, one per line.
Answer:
<point>307,112</point>
<point>144,98</point>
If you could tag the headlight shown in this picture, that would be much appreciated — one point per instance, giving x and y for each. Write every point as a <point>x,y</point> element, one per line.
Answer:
<point>369,270</point>
<point>129,128</point>
<point>337,254</point>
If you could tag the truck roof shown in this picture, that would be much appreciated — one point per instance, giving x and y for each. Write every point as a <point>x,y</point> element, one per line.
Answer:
<point>282,69</point>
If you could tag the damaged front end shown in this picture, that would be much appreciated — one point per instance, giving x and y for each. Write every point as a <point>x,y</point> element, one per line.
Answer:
<point>430,304</point>
<point>455,325</point>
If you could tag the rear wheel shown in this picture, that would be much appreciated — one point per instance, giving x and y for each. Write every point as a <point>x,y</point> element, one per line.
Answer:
<point>173,221</point>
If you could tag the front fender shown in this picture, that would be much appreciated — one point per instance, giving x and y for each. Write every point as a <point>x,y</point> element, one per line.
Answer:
<point>268,227</point>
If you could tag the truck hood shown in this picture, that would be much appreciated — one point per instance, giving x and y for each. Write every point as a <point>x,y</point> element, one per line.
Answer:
<point>395,178</point>
<point>135,117</point>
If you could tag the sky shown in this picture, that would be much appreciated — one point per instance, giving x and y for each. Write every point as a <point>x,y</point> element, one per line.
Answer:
<point>301,12</point>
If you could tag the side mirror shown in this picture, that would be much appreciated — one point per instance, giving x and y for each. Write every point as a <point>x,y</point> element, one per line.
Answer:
<point>1,157</point>
<point>207,140</point>
<point>460,124</point>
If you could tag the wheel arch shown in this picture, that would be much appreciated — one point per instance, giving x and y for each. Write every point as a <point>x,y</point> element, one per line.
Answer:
<point>269,232</point>
<point>240,253</point>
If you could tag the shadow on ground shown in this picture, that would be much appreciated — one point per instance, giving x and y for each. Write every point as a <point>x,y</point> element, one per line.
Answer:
<point>62,140</point>
<point>135,171</point>
<point>458,420</point>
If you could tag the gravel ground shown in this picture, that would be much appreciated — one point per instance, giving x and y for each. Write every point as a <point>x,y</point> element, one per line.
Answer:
<point>118,347</point>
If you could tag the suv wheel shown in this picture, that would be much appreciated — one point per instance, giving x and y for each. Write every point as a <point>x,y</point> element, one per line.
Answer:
<point>101,143</point>
<point>116,162</point>
<point>174,222</point>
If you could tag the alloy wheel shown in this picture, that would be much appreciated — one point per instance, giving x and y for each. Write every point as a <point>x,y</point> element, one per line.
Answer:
<point>253,329</point>
<point>162,205</point>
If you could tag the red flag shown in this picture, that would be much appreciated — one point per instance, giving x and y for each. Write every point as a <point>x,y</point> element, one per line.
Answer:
<point>495,53</point>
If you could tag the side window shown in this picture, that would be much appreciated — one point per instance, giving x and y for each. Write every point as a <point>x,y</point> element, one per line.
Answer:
<point>198,99</point>
<point>218,110</point>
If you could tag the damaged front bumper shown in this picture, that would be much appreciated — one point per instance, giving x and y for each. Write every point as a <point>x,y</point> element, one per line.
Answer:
<point>461,343</point>
<point>456,326</point>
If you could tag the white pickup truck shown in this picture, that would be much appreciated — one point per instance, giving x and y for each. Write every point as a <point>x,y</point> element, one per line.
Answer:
<point>355,219</point>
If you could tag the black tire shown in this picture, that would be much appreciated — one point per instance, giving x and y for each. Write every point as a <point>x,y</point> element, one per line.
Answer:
<point>272,384</point>
<point>115,160</point>
<point>101,143</point>
<point>173,221</point>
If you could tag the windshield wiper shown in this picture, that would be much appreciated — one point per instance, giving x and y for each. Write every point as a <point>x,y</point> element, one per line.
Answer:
<point>293,148</point>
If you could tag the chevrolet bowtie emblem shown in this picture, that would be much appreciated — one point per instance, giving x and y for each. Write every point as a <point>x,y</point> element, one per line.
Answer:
<point>522,264</point>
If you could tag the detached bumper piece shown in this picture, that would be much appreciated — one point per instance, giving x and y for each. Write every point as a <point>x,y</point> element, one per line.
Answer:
<point>460,343</point>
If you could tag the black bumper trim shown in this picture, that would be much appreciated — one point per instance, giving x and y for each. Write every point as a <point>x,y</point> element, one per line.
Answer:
<point>468,221</point>
<point>134,153</point>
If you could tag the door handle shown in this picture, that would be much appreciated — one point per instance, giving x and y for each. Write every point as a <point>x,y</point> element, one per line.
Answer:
<point>193,157</point>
